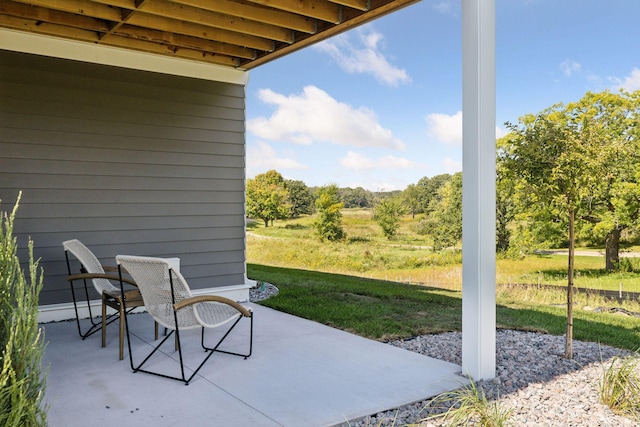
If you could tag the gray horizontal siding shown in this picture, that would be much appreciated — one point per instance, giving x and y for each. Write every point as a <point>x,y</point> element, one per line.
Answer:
<point>114,223</point>
<point>81,140</point>
<point>129,169</point>
<point>129,162</point>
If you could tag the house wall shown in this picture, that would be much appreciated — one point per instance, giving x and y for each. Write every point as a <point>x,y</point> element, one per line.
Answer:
<point>128,162</point>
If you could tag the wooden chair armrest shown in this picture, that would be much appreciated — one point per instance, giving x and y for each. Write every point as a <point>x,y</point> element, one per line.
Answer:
<point>115,269</point>
<point>211,298</point>
<point>100,276</point>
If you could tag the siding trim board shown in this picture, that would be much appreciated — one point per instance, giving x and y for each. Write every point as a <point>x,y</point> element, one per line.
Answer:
<point>105,55</point>
<point>126,176</point>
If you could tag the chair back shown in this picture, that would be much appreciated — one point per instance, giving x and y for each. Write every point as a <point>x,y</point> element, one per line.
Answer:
<point>160,287</point>
<point>89,262</point>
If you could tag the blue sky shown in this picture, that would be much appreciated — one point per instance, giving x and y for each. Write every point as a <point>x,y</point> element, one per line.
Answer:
<point>380,107</point>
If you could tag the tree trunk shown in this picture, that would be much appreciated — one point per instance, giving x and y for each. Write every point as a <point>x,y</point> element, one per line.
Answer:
<point>612,249</point>
<point>266,223</point>
<point>568,348</point>
<point>503,234</point>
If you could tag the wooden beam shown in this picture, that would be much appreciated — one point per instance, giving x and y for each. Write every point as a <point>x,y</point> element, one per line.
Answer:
<point>79,7</point>
<point>362,5</point>
<point>122,4</point>
<point>170,25</point>
<point>145,46</point>
<point>238,8</point>
<point>255,13</point>
<point>185,41</point>
<point>47,28</point>
<point>217,20</point>
<point>126,14</point>
<point>317,9</point>
<point>40,14</point>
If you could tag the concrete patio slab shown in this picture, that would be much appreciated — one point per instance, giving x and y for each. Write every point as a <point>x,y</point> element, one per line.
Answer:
<point>301,373</point>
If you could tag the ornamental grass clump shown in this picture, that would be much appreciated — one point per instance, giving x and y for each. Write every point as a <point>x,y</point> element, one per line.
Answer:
<point>620,386</point>
<point>22,380</point>
<point>468,406</point>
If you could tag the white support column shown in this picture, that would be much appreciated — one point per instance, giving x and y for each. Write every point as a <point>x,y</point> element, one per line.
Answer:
<point>478,189</point>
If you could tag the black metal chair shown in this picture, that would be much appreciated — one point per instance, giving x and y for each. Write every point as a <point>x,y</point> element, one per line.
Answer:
<point>91,269</point>
<point>168,299</point>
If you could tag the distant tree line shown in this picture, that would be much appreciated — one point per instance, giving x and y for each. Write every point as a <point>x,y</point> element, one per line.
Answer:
<point>569,173</point>
<point>437,201</point>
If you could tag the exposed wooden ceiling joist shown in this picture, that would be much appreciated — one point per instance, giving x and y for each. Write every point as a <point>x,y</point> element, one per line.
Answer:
<point>234,33</point>
<point>318,9</point>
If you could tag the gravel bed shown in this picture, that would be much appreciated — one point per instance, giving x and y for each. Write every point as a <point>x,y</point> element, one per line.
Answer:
<point>261,291</point>
<point>533,378</point>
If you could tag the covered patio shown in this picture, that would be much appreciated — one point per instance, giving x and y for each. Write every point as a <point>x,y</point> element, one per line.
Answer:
<point>124,125</point>
<point>301,373</point>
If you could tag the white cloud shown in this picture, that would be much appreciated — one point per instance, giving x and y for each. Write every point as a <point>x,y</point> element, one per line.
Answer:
<point>631,82</point>
<point>314,116</point>
<point>448,128</point>
<point>452,166</point>
<point>392,162</point>
<point>447,7</point>
<point>355,161</point>
<point>500,132</point>
<point>569,67</point>
<point>263,157</point>
<point>364,56</point>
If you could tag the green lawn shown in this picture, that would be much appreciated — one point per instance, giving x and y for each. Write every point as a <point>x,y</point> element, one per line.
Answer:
<point>360,285</point>
<point>385,310</point>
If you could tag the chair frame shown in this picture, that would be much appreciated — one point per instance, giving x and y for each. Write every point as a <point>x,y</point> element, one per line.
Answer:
<point>176,308</point>
<point>110,300</point>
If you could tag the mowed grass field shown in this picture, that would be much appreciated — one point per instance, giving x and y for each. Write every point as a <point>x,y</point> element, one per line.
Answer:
<point>408,258</point>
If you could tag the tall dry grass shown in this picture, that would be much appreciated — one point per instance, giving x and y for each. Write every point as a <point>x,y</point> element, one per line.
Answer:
<point>22,378</point>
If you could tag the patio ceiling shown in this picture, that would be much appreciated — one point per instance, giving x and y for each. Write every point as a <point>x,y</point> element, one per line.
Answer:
<point>235,33</point>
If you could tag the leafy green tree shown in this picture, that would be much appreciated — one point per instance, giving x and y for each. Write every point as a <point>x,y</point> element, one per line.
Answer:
<point>445,220</point>
<point>267,197</point>
<point>612,205</point>
<point>506,206</point>
<point>355,197</point>
<point>428,190</point>
<point>300,197</point>
<point>387,214</point>
<point>411,199</point>
<point>558,155</point>
<point>328,224</point>
<point>616,206</point>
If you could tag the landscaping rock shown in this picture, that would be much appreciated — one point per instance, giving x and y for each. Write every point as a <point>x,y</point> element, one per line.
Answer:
<point>533,380</point>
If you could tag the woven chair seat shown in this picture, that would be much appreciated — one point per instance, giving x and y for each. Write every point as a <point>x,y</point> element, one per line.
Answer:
<point>92,270</point>
<point>168,299</point>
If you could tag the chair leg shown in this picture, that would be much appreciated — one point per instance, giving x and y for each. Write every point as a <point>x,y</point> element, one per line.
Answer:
<point>94,326</point>
<point>104,321</point>
<point>215,348</point>
<point>122,315</point>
